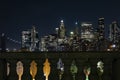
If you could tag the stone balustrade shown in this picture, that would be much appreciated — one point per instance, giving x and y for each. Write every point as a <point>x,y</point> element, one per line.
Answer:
<point>111,64</point>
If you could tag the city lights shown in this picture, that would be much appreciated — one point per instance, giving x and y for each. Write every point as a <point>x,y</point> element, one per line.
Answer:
<point>62,21</point>
<point>83,37</point>
<point>71,33</point>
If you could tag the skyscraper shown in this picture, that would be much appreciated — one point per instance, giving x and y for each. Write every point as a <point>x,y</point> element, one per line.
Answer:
<point>87,31</point>
<point>114,34</point>
<point>62,30</point>
<point>30,39</point>
<point>101,28</point>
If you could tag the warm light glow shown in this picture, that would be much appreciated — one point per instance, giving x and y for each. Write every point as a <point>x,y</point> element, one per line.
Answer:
<point>108,49</point>
<point>46,69</point>
<point>33,69</point>
<point>112,46</point>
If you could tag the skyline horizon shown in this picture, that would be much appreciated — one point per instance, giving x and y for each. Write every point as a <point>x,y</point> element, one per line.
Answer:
<point>19,42</point>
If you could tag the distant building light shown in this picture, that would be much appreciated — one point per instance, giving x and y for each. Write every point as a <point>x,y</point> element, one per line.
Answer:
<point>108,49</point>
<point>113,46</point>
<point>76,23</point>
<point>3,34</point>
<point>62,21</point>
<point>100,64</point>
<point>56,29</point>
<point>71,33</point>
<point>14,49</point>
<point>7,49</point>
<point>101,18</point>
<point>86,24</point>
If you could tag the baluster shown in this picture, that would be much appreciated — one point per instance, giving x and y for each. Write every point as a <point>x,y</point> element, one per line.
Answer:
<point>60,67</point>
<point>46,69</point>
<point>100,69</point>
<point>33,69</point>
<point>87,69</point>
<point>19,69</point>
<point>8,69</point>
<point>73,69</point>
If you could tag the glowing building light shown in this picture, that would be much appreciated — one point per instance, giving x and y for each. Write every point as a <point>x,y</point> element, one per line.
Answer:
<point>108,49</point>
<point>56,29</point>
<point>71,33</point>
<point>113,46</point>
<point>76,23</point>
<point>62,21</point>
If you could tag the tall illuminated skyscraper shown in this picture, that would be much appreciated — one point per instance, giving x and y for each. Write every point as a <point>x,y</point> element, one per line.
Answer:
<point>101,28</point>
<point>26,39</point>
<point>34,39</point>
<point>62,30</point>
<point>30,39</point>
<point>87,31</point>
<point>76,32</point>
<point>114,34</point>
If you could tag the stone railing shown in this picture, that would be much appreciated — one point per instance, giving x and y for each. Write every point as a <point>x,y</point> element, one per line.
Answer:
<point>11,61</point>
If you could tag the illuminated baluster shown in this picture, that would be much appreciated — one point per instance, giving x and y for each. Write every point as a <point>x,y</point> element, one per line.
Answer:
<point>73,69</point>
<point>33,69</point>
<point>19,69</point>
<point>46,69</point>
<point>8,69</point>
<point>100,69</point>
<point>87,71</point>
<point>60,67</point>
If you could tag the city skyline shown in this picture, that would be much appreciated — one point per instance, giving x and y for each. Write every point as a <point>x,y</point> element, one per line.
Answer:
<point>17,16</point>
<point>85,38</point>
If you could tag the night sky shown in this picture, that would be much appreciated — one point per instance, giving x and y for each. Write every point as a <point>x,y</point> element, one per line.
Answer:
<point>17,15</point>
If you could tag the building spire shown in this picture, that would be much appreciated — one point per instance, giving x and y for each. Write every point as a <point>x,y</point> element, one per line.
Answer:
<point>62,29</point>
<point>62,23</point>
<point>76,29</point>
<point>76,23</point>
